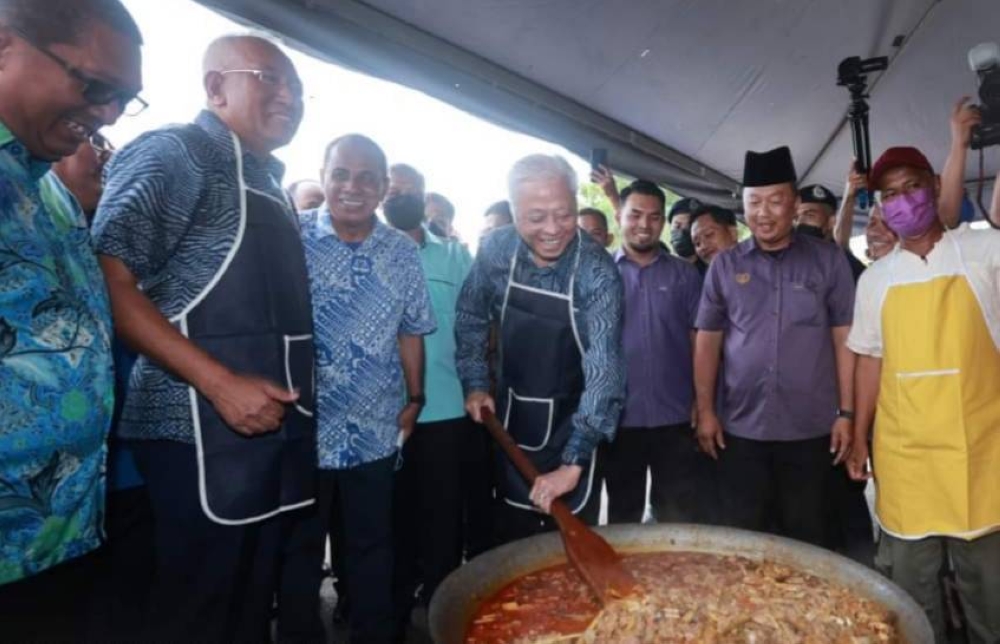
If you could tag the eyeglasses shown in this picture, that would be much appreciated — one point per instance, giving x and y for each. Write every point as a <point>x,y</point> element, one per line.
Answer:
<point>101,146</point>
<point>271,79</point>
<point>93,90</point>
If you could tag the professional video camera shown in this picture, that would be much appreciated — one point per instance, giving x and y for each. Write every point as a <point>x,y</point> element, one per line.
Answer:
<point>852,74</point>
<point>984,59</point>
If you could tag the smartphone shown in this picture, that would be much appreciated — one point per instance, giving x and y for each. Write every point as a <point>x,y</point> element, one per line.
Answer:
<point>598,157</point>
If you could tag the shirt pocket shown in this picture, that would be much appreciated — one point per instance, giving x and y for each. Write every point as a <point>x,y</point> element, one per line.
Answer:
<point>803,304</point>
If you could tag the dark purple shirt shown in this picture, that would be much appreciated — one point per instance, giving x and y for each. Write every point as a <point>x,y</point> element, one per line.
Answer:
<point>661,302</point>
<point>776,313</point>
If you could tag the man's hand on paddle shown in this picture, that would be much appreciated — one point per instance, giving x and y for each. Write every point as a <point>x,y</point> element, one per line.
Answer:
<point>553,485</point>
<point>474,403</point>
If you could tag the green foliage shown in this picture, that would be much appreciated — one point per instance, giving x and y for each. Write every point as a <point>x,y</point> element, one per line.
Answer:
<point>590,195</point>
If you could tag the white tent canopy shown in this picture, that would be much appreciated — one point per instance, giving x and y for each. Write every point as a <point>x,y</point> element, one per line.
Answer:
<point>676,90</point>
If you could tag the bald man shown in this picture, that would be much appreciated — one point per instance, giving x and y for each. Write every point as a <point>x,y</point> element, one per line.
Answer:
<point>205,267</point>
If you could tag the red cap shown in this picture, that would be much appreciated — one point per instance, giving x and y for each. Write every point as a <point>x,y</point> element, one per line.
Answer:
<point>895,157</point>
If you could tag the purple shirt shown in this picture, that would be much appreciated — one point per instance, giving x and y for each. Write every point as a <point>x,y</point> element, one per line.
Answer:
<point>661,301</point>
<point>776,312</point>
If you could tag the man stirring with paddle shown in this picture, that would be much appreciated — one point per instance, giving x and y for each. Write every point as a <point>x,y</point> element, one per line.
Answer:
<point>556,298</point>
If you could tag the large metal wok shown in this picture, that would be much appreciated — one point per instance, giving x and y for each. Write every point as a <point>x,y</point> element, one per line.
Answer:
<point>458,596</point>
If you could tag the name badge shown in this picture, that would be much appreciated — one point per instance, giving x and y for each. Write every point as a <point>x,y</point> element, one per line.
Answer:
<point>742,278</point>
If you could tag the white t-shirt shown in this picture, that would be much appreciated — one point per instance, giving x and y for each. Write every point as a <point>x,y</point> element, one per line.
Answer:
<point>975,253</point>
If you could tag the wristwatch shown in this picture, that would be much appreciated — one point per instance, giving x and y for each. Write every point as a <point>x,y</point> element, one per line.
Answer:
<point>845,413</point>
<point>419,399</point>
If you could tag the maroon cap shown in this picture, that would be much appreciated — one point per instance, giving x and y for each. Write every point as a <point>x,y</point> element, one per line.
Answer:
<point>895,157</point>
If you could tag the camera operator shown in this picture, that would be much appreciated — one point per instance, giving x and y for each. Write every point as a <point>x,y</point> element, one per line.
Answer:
<point>964,118</point>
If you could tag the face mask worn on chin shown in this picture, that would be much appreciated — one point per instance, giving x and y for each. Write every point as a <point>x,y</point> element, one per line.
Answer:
<point>912,214</point>
<point>681,242</point>
<point>812,231</point>
<point>404,212</point>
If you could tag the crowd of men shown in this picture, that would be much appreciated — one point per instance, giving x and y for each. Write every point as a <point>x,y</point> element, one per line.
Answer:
<point>207,378</point>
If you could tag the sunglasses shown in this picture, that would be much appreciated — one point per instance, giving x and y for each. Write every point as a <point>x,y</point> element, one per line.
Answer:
<point>93,90</point>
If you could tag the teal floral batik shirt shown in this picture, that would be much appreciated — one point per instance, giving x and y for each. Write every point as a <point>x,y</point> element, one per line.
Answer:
<point>56,377</point>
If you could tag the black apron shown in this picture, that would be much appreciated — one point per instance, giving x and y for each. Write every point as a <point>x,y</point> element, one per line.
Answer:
<point>256,319</point>
<point>541,381</point>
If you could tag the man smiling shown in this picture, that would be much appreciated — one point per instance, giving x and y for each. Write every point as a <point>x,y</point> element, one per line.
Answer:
<point>776,309</point>
<point>206,270</point>
<point>67,68</point>
<point>557,299</point>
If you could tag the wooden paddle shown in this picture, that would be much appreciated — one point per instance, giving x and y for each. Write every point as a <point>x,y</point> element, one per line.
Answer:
<point>594,558</point>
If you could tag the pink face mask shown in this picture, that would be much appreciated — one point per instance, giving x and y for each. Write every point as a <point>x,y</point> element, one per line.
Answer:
<point>912,214</point>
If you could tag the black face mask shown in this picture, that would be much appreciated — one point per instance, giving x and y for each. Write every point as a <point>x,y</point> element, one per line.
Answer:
<point>812,231</point>
<point>404,212</point>
<point>436,229</point>
<point>680,241</point>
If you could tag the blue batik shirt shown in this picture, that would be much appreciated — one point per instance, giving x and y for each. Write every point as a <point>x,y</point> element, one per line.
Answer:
<point>364,296</point>
<point>171,213</point>
<point>597,298</point>
<point>56,375</point>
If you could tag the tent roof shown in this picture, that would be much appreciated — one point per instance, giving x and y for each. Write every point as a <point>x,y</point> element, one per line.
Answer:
<point>677,90</point>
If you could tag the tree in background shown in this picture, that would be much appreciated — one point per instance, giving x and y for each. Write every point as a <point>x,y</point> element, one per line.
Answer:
<point>591,195</point>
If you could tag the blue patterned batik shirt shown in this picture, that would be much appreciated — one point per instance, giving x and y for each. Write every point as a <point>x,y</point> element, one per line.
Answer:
<point>364,297</point>
<point>56,375</point>
<point>171,212</point>
<point>597,298</point>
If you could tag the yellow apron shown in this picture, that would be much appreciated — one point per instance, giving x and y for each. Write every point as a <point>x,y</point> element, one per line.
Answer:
<point>936,450</point>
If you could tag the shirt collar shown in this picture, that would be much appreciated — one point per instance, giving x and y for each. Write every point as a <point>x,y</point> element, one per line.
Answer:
<point>36,168</point>
<point>621,255</point>
<point>430,239</point>
<point>749,245</point>
<point>324,227</point>
<point>221,135</point>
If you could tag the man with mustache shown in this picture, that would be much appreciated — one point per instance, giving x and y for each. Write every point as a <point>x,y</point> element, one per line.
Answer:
<point>557,299</point>
<point>204,262</point>
<point>372,311</point>
<point>67,68</point>
<point>927,338</point>
<point>775,310</point>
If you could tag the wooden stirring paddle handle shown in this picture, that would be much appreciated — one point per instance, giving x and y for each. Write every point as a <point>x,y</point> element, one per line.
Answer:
<point>590,554</point>
<point>558,509</point>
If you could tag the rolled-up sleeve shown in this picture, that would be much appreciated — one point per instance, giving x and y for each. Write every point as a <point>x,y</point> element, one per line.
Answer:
<point>151,192</point>
<point>712,313</point>
<point>597,417</point>
<point>472,324</point>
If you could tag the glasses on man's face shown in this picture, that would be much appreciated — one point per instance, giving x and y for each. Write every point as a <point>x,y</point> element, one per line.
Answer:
<point>93,90</point>
<point>101,146</point>
<point>270,79</point>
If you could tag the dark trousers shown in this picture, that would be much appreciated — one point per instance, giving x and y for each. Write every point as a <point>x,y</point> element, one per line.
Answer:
<point>123,568</point>
<point>363,496</point>
<point>478,498</point>
<point>849,529</point>
<point>428,502</point>
<point>50,607</point>
<point>514,523</point>
<point>683,479</point>
<point>213,583</point>
<point>776,486</point>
